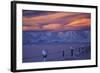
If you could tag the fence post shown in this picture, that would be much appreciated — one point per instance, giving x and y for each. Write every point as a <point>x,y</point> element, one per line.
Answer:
<point>63,53</point>
<point>72,51</point>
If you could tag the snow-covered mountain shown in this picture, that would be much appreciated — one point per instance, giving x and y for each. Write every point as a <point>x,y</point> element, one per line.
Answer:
<point>76,36</point>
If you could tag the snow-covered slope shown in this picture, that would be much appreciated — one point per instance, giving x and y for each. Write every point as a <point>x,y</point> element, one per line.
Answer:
<point>30,37</point>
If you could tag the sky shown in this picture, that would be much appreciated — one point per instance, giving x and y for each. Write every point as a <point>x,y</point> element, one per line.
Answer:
<point>55,21</point>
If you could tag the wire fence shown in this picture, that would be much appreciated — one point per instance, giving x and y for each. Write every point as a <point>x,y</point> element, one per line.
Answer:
<point>71,53</point>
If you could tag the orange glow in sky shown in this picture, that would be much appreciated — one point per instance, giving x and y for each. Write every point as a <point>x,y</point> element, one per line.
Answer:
<point>57,21</point>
